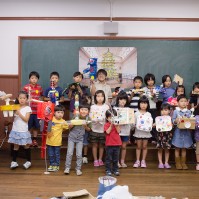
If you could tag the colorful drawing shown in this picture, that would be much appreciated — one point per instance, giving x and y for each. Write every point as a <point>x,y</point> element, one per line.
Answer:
<point>144,123</point>
<point>163,123</point>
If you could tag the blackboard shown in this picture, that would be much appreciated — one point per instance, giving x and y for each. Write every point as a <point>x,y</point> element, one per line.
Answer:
<point>159,57</point>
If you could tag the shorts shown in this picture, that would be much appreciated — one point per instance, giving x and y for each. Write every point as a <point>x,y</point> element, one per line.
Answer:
<point>33,122</point>
<point>85,141</point>
<point>141,138</point>
<point>97,138</point>
<point>124,138</point>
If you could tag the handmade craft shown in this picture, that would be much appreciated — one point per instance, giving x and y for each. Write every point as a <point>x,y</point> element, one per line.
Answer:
<point>172,101</point>
<point>144,123</point>
<point>124,116</point>
<point>197,122</point>
<point>163,123</point>
<point>187,123</point>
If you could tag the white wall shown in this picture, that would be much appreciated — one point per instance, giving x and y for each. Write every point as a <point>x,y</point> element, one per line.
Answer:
<point>10,30</point>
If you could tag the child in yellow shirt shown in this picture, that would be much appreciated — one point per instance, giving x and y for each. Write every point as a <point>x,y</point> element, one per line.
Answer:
<point>54,138</point>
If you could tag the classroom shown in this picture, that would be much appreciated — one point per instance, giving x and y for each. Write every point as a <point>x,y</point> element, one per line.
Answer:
<point>157,37</point>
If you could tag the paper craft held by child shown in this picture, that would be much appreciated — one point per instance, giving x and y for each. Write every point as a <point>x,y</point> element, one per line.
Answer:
<point>144,123</point>
<point>163,123</point>
<point>178,79</point>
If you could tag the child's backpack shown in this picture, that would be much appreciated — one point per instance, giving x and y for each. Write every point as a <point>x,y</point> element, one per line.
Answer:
<point>163,123</point>
<point>144,123</point>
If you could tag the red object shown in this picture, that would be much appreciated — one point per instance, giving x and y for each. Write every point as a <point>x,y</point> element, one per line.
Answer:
<point>45,112</point>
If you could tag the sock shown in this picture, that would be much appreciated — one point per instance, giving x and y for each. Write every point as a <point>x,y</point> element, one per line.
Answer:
<point>122,161</point>
<point>28,154</point>
<point>14,157</point>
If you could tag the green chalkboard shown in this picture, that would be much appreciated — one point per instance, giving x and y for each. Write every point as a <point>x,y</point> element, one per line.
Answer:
<point>159,57</point>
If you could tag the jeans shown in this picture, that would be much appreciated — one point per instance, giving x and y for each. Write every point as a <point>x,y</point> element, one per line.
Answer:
<point>112,157</point>
<point>54,155</point>
<point>69,155</point>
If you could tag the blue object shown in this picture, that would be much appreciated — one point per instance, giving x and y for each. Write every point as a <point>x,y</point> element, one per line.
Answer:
<point>92,69</point>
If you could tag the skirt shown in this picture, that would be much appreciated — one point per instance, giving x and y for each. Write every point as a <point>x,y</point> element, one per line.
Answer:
<point>20,138</point>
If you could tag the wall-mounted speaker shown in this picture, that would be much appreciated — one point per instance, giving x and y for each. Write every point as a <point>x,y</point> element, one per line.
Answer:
<point>110,27</point>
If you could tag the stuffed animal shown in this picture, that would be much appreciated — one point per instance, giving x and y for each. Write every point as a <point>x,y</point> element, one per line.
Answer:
<point>92,69</point>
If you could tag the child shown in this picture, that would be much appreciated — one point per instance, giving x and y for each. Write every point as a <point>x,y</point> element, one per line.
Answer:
<point>152,94</point>
<point>57,91</point>
<point>86,99</point>
<point>75,89</point>
<point>167,91</point>
<point>97,137</point>
<point>113,143</point>
<point>164,140</point>
<point>54,138</point>
<point>194,102</point>
<point>101,85</point>
<point>76,137</point>
<point>135,93</point>
<point>19,135</point>
<point>122,101</point>
<point>114,96</point>
<point>35,91</point>
<point>142,136</point>
<point>182,137</point>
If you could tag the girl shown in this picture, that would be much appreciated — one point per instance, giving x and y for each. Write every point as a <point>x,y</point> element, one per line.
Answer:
<point>152,94</point>
<point>113,143</point>
<point>194,102</point>
<point>97,115</point>
<point>142,136</point>
<point>182,137</point>
<point>19,134</point>
<point>164,140</point>
<point>167,91</point>
<point>122,101</point>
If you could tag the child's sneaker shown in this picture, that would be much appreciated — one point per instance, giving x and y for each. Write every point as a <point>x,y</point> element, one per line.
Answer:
<point>136,164</point>
<point>167,166</point>
<point>101,163</point>
<point>67,171</point>
<point>161,166</point>
<point>119,165</point>
<point>56,168</point>
<point>123,165</point>
<point>14,165</point>
<point>197,167</point>
<point>96,163</point>
<point>50,168</point>
<point>108,173</point>
<point>78,172</point>
<point>85,160</point>
<point>27,165</point>
<point>143,164</point>
<point>116,173</point>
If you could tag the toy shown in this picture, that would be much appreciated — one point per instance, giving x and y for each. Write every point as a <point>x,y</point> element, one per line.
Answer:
<point>144,123</point>
<point>187,123</point>
<point>8,110</point>
<point>76,104</point>
<point>172,101</point>
<point>138,91</point>
<point>45,112</point>
<point>52,93</point>
<point>163,123</point>
<point>92,69</point>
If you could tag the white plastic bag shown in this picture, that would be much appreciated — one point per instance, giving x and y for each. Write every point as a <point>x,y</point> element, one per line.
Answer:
<point>118,192</point>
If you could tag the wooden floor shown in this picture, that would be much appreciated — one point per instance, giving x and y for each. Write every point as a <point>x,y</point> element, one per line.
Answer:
<point>33,183</point>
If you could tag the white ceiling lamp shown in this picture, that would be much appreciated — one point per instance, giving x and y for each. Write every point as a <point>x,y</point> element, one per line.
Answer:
<point>111,27</point>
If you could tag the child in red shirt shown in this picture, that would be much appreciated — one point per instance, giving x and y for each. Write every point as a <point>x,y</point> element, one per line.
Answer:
<point>113,143</point>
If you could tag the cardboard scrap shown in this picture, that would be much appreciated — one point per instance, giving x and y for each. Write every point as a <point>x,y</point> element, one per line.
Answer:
<point>81,194</point>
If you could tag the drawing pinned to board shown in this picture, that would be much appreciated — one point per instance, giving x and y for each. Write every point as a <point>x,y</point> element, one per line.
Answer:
<point>119,62</point>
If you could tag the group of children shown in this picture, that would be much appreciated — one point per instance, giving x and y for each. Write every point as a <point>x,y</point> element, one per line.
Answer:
<point>98,128</point>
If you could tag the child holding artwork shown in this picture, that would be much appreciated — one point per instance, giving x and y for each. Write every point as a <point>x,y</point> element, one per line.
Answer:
<point>97,137</point>
<point>54,93</point>
<point>164,140</point>
<point>135,93</point>
<point>142,131</point>
<point>121,102</point>
<point>54,138</point>
<point>182,138</point>
<point>194,102</point>
<point>76,137</point>
<point>113,143</point>
<point>75,89</point>
<point>19,135</point>
<point>166,91</point>
<point>35,91</point>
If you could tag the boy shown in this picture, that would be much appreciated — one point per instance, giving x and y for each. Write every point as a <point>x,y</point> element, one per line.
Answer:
<point>135,93</point>
<point>54,91</point>
<point>54,138</point>
<point>101,85</point>
<point>76,136</point>
<point>35,91</point>
<point>75,89</point>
